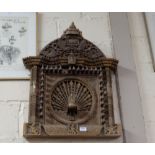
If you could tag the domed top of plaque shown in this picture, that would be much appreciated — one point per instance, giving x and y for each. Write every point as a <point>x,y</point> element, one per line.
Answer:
<point>71,49</point>
<point>71,43</point>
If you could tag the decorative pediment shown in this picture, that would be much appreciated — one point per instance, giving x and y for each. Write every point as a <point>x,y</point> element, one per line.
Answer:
<point>71,43</point>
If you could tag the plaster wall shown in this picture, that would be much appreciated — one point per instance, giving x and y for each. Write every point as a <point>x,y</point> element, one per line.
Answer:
<point>127,81</point>
<point>145,72</point>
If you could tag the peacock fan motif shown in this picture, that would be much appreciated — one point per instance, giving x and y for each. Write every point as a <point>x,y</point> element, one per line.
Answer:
<point>72,97</point>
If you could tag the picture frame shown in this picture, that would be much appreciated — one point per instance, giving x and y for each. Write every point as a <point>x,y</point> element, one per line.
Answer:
<point>17,40</point>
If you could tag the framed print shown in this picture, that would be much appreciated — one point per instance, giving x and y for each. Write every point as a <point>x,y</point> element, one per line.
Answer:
<point>17,40</point>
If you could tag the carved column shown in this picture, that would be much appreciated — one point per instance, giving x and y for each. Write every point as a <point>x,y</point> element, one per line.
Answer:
<point>110,97</point>
<point>33,95</point>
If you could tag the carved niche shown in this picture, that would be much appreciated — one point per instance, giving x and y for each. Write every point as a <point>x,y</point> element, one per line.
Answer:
<point>71,90</point>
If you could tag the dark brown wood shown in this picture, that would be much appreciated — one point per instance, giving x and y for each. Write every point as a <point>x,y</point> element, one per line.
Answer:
<point>71,90</point>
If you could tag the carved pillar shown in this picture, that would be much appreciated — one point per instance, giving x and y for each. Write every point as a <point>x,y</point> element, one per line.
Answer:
<point>33,95</point>
<point>110,97</point>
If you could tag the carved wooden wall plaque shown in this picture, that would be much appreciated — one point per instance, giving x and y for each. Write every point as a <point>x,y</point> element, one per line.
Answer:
<point>71,90</point>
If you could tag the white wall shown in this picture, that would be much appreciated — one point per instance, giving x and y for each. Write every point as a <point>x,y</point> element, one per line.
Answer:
<point>14,95</point>
<point>145,73</point>
<point>128,88</point>
<point>13,109</point>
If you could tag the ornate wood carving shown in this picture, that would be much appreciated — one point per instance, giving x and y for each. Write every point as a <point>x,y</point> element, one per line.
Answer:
<point>71,90</point>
